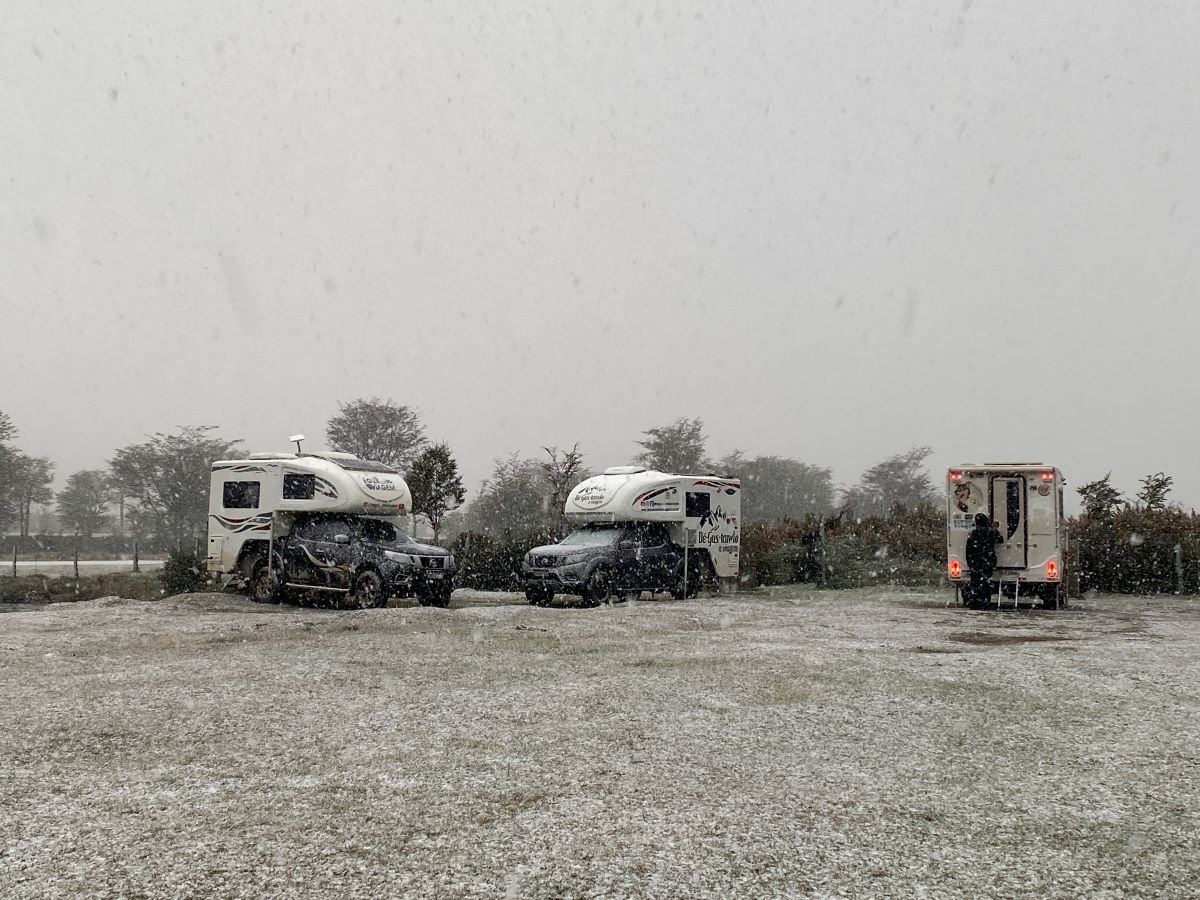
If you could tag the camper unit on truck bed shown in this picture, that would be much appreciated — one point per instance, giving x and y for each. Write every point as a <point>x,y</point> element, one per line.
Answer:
<point>638,530</point>
<point>326,522</point>
<point>1025,501</point>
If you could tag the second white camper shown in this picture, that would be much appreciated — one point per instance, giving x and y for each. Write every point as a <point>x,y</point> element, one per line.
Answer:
<point>640,530</point>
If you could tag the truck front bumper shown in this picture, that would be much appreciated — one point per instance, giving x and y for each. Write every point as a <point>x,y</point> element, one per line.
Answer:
<point>564,579</point>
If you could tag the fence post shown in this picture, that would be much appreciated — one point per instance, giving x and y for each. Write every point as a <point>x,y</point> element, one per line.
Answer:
<point>14,559</point>
<point>75,561</point>
<point>135,556</point>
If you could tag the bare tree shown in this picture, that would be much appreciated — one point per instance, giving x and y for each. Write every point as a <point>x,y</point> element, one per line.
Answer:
<point>563,470</point>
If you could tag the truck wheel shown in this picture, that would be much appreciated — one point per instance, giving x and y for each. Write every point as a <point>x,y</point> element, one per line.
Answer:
<point>538,595</point>
<point>264,584</point>
<point>597,588</point>
<point>367,592</point>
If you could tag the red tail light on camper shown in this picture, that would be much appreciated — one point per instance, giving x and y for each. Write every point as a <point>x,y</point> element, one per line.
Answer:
<point>956,476</point>
<point>1052,570</point>
<point>1047,476</point>
<point>955,568</point>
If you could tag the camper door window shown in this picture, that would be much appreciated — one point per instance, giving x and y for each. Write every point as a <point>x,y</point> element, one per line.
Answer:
<point>240,495</point>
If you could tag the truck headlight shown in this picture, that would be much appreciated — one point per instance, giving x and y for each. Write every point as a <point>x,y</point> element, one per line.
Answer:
<point>450,561</point>
<point>404,558</point>
<point>573,558</point>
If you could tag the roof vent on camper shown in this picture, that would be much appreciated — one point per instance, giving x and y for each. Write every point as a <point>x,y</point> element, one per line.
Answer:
<point>277,454</point>
<point>623,470</point>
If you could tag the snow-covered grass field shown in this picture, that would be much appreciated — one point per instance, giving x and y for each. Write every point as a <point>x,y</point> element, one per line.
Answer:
<point>856,744</point>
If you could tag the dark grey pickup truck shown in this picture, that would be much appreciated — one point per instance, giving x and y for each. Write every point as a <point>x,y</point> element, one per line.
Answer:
<point>600,561</point>
<point>363,560</point>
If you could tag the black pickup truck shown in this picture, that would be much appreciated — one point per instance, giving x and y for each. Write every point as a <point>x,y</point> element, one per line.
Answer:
<point>599,561</point>
<point>362,560</point>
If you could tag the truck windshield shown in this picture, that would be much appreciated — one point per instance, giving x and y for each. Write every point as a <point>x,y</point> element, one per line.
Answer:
<point>600,536</point>
<point>384,533</point>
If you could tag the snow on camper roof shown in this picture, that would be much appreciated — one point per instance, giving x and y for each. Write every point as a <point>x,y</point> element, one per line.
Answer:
<point>352,463</point>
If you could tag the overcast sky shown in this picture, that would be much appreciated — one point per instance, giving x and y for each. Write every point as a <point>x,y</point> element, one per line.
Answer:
<point>831,230</point>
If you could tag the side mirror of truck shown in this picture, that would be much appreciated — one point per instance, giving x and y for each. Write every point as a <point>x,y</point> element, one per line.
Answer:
<point>341,538</point>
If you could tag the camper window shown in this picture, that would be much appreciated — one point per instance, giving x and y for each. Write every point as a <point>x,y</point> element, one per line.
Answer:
<point>698,504</point>
<point>299,487</point>
<point>240,495</point>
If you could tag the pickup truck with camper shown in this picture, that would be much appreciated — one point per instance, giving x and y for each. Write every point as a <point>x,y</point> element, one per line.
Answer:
<point>320,522</point>
<point>1025,503</point>
<point>640,530</point>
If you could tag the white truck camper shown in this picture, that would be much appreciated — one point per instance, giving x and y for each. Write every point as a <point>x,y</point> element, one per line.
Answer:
<point>1025,502</point>
<point>320,521</point>
<point>640,530</point>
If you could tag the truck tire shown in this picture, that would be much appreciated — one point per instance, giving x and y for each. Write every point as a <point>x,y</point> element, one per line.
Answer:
<point>265,585</point>
<point>597,588</point>
<point>368,591</point>
<point>537,595</point>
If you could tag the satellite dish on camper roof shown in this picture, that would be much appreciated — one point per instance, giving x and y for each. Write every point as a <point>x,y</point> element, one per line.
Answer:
<point>296,439</point>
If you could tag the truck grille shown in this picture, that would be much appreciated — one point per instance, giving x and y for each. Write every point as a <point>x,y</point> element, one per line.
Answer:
<point>433,562</point>
<point>544,562</point>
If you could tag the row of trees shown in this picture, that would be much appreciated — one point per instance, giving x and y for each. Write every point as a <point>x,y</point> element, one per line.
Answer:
<point>159,486</point>
<point>1143,544</point>
<point>799,524</point>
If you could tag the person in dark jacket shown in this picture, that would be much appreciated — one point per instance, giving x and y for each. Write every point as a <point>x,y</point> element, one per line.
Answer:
<point>981,560</point>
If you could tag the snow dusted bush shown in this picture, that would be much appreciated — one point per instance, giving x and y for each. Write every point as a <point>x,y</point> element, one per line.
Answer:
<point>183,573</point>
<point>1137,551</point>
<point>905,548</point>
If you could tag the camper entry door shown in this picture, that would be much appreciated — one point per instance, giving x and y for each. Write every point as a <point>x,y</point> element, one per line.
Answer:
<point>1008,510</point>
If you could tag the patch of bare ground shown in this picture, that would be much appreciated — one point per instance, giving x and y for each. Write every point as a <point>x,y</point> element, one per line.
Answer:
<point>994,639</point>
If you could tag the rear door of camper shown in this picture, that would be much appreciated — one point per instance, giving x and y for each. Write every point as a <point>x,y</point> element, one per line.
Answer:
<point>1009,512</point>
